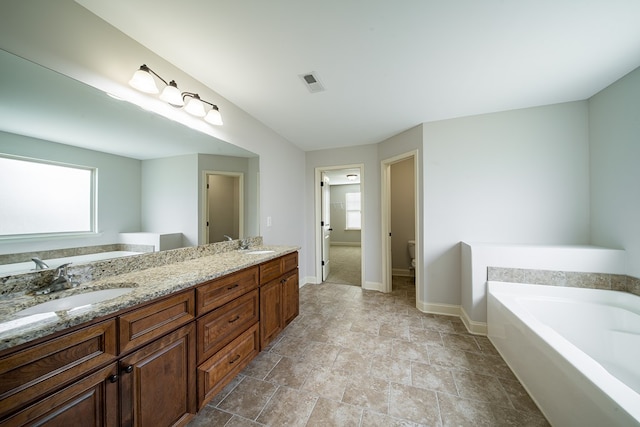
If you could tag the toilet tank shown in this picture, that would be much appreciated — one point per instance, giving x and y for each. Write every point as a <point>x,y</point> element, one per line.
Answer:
<point>411,245</point>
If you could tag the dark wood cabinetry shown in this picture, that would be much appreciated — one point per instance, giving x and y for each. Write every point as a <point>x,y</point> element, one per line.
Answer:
<point>279,302</point>
<point>90,402</point>
<point>157,382</point>
<point>155,364</point>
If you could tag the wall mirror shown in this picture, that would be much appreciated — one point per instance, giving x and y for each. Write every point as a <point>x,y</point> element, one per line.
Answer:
<point>150,168</point>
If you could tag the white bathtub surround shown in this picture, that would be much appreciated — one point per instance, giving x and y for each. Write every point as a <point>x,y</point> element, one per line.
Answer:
<point>575,350</point>
<point>476,258</point>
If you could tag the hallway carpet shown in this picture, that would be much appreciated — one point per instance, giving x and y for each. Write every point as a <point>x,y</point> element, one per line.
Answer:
<point>345,265</point>
<point>363,358</point>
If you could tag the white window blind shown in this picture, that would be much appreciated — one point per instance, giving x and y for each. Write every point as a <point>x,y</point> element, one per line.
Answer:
<point>352,208</point>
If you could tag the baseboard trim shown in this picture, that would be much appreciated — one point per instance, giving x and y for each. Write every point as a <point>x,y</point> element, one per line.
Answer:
<point>476,328</point>
<point>373,286</point>
<point>355,244</point>
<point>403,272</point>
<point>444,309</point>
<point>309,279</point>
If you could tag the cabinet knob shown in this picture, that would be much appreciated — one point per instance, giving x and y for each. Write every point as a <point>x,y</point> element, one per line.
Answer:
<point>235,285</point>
<point>128,369</point>
<point>235,319</point>
<point>113,379</point>
<point>234,360</point>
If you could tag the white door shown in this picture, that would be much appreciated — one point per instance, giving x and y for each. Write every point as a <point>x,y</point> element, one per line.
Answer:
<point>325,219</point>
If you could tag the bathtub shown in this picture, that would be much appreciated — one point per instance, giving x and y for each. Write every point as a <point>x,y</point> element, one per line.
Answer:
<point>575,350</point>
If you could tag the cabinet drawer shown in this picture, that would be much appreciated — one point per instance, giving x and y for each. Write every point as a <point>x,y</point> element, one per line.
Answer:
<point>220,369</point>
<point>216,293</point>
<point>91,401</point>
<point>270,270</point>
<point>37,370</point>
<point>275,268</point>
<point>218,328</point>
<point>144,324</point>
<point>289,262</point>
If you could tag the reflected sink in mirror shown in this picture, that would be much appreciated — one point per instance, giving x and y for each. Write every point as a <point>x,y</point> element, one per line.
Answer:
<point>258,252</point>
<point>74,301</point>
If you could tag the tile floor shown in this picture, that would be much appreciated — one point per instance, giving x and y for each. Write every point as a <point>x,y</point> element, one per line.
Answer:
<point>363,358</point>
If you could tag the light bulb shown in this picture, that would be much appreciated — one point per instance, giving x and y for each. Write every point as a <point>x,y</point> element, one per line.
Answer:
<point>171,94</point>
<point>143,81</point>
<point>214,117</point>
<point>195,107</point>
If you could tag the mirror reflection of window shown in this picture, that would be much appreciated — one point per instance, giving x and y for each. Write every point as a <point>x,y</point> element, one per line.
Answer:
<point>43,198</point>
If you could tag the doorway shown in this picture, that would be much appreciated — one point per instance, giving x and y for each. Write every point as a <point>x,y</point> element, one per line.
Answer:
<point>340,228</point>
<point>224,207</point>
<point>400,220</point>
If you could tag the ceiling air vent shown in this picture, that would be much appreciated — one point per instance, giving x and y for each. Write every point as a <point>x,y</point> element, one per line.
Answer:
<point>312,82</point>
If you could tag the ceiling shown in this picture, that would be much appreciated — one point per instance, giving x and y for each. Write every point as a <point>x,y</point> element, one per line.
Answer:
<point>386,66</point>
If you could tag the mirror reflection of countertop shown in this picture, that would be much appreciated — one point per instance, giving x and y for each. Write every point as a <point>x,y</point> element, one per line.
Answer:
<point>147,285</point>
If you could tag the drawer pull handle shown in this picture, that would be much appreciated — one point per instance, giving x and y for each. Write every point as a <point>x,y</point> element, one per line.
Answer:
<point>128,369</point>
<point>113,379</point>
<point>234,360</point>
<point>234,319</point>
<point>232,286</point>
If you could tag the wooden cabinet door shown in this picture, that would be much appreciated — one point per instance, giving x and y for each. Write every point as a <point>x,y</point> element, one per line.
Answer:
<point>89,402</point>
<point>290,297</point>
<point>270,311</point>
<point>157,384</point>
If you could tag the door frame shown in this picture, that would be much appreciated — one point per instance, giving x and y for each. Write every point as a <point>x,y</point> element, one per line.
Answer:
<point>205,204</point>
<point>318,215</point>
<point>386,218</point>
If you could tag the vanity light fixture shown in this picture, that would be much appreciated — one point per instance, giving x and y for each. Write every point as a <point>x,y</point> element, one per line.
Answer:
<point>143,81</point>
<point>352,177</point>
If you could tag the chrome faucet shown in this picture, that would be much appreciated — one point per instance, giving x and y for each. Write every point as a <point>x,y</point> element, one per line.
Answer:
<point>40,264</point>
<point>228,238</point>
<point>60,282</point>
<point>244,244</point>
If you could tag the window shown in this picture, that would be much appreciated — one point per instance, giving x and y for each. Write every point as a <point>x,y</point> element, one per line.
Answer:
<point>354,217</point>
<point>40,198</point>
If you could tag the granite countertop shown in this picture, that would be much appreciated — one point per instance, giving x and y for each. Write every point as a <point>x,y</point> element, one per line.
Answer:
<point>148,284</point>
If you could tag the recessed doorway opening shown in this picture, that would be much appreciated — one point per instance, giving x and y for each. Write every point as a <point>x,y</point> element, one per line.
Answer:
<point>339,224</point>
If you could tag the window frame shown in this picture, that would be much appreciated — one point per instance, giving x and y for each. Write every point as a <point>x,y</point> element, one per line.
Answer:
<point>93,201</point>
<point>347,210</point>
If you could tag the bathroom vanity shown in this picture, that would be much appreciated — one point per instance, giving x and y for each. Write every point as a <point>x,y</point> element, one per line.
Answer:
<point>154,356</point>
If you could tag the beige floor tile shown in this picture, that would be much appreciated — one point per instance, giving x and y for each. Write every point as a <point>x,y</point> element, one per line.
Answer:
<point>248,398</point>
<point>460,342</point>
<point>433,377</point>
<point>456,411</point>
<point>391,369</point>
<point>210,416</point>
<point>328,413</point>
<point>352,363</point>
<point>410,350</point>
<point>481,387</point>
<point>262,365</point>
<point>518,396</point>
<point>368,392</point>
<point>327,383</point>
<point>321,354</point>
<point>414,404</point>
<point>374,419</point>
<point>289,372</point>
<point>288,407</point>
<point>237,421</point>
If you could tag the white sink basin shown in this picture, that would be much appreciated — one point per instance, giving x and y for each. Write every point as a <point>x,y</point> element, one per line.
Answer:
<point>259,252</point>
<point>74,301</point>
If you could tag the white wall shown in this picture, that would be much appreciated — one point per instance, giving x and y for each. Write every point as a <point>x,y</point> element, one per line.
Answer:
<point>513,177</point>
<point>118,191</point>
<point>65,37</point>
<point>614,126</point>
<point>170,197</point>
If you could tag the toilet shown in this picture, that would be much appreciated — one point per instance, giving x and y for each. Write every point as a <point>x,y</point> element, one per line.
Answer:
<point>411,245</point>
